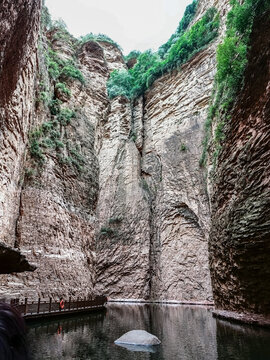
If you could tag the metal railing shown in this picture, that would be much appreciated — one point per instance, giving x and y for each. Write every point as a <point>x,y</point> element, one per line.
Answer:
<point>26,308</point>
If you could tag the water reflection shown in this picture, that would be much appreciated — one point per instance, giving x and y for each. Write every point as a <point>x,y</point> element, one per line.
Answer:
<point>251,343</point>
<point>186,333</point>
<point>141,348</point>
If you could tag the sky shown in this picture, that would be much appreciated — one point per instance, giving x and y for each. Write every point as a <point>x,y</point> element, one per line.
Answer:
<point>134,25</point>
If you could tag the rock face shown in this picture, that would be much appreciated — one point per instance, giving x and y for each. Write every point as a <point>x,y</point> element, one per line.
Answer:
<point>134,222</point>
<point>122,208</point>
<point>176,107</point>
<point>123,233</point>
<point>239,241</point>
<point>55,227</point>
<point>19,24</point>
<point>153,208</point>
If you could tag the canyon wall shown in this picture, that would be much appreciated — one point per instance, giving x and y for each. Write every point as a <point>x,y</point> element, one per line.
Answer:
<point>19,26</point>
<point>120,205</point>
<point>153,208</point>
<point>116,202</point>
<point>55,226</point>
<point>239,240</point>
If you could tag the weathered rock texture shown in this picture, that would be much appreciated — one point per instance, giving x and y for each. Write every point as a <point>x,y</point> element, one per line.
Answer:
<point>240,234</point>
<point>153,210</point>
<point>176,107</point>
<point>133,220</point>
<point>123,213</point>
<point>19,24</point>
<point>56,223</point>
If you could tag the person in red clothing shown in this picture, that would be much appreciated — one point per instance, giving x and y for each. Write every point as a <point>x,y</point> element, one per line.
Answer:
<point>61,304</point>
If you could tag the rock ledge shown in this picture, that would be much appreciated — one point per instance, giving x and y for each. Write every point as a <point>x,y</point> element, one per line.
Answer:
<point>243,318</point>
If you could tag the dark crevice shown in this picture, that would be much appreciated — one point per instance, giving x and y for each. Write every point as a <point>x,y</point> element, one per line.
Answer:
<point>14,59</point>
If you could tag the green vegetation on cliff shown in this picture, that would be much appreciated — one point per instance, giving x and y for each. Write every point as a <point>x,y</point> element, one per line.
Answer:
<point>48,135</point>
<point>62,70</point>
<point>183,25</point>
<point>134,54</point>
<point>98,37</point>
<point>62,87</point>
<point>177,51</point>
<point>231,65</point>
<point>59,69</point>
<point>53,93</point>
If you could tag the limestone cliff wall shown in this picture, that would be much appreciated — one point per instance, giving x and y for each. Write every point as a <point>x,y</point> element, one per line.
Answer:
<point>239,241</point>
<point>130,217</point>
<point>19,24</point>
<point>57,203</point>
<point>153,209</point>
<point>123,234</point>
<point>176,107</point>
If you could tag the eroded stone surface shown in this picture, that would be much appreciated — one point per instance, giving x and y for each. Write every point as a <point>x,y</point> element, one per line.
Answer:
<point>19,25</point>
<point>122,240</point>
<point>176,107</point>
<point>134,223</point>
<point>239,241</point>
<point>55,227</point>
<point>153,209</point>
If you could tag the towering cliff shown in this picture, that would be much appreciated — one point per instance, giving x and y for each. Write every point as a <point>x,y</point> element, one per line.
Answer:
<point>239,241</point>
<point>107,195</point>
<point>111,199</point>
<point>153,207</point>
<point>55,227</point>
<point>19,32</point>
<point>19,26</point>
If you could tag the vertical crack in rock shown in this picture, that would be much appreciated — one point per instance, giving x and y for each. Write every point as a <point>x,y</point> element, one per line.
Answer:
<point>18,224</point>
<point>16,29</point>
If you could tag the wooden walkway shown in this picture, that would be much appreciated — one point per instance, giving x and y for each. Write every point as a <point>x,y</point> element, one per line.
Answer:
<point>45,309</point>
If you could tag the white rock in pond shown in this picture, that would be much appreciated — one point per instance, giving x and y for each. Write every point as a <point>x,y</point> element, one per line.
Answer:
<point>138,337</point>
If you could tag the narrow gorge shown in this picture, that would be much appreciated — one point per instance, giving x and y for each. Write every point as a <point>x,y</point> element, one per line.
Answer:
<point>109,195</point>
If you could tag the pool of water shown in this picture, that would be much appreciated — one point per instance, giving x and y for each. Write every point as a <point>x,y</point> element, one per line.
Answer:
<point>186,333</point>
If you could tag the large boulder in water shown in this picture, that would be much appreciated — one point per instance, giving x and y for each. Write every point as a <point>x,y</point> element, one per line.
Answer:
<point>138,337</point>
